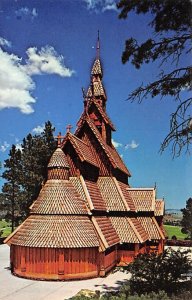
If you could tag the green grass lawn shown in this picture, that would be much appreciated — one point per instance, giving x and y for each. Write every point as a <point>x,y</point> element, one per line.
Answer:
<point>5,227</point>
<point>174,230</point>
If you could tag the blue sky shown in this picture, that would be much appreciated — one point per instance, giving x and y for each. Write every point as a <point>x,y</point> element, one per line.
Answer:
<point>47,48</point>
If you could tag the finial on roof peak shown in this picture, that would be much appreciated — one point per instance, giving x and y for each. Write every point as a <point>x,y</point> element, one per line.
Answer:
<point>69,127</point>
<point>97,69</point>
<point>58,138</point>
<point>98,45</point>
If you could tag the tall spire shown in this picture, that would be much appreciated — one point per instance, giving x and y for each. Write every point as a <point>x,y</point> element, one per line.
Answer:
<point>98,46</point>
<point>97,69</point>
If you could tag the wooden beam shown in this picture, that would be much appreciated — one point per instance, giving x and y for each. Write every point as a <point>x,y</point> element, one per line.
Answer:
<point>121,194</point>
<point>100,233</point>
<point>86,192</point>
<point>135,230</point>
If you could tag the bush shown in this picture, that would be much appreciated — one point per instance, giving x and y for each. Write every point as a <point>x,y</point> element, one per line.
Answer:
<point>165,272</point>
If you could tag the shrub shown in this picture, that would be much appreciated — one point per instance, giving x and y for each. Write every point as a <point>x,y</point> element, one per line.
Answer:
<point>166,272</point>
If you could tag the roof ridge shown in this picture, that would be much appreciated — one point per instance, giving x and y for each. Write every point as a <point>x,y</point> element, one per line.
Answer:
<point>121,194</point>
<point>80,140</point>
<point>135,229</point>
<point>158,228</point>
<point>91,206</point>
<point>100,109</point>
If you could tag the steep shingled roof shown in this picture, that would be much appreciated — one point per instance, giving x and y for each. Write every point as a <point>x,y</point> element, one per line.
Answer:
<point>127,196</point>
<point>110,194</point>
<point>104,115</point>
<point>129,230</point>
<point>159,207</point>
<point>82,149</point>
<point>96,89</point>
<point>100,111</point>
<point>110,152</point>
<point>106,231</point>
<point>143,198</point>
<point>55,232</point>
<point>95,195</point>
<point>152,228</point>
<point>97,69</point>
<point>58,197</point>
<point>58,159</point>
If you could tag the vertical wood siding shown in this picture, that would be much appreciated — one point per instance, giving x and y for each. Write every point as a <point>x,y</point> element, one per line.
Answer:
<point>53,263</point>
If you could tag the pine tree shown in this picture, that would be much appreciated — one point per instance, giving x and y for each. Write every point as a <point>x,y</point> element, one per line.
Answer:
<point>186,221</point>
<point>36,152</point>
<point>25,171</point>
<point>11,188</point>
<point>170,45</point>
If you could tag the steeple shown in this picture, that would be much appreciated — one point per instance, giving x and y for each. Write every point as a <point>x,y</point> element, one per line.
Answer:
<point>96,90</point>
<point>97,69</point>
<point>98,46</point>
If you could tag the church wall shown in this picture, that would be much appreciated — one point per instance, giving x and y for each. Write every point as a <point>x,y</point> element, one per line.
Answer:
<point>54,263</point>
<point>110,258</point>
<point>126,254</point>
<point>107,260</point>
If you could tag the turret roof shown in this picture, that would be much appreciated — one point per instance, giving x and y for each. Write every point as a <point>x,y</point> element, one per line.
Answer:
<point>58,197</point>
<point>58,159</point>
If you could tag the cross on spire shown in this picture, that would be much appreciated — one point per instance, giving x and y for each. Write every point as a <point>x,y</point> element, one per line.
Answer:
<point>69,127</point>
<point>58,138</point>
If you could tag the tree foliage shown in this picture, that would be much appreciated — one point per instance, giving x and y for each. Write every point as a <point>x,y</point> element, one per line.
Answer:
<point>165,272</point>
<point>170,44</point>
<point>186,221</point>
<point>11,189</point>
<point>25,170</point>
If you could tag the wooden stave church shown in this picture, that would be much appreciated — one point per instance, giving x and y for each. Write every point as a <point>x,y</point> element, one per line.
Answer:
<point>87,219</point>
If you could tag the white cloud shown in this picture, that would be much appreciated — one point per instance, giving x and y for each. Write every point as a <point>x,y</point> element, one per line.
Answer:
<point>132,145</point>
<point>101,5</point>
<point>46,61</point>
<point>26,12</point>
<point>4,146</point>
<point>38,129</point>
<point>4,42</point>
<point>111,6</point>
<point>16,83</point>
<point>116,144</point>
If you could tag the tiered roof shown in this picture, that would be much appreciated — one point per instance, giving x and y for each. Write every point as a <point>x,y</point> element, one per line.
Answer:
<point>143,198</point>
<point>106,231</point>
<point>56,231</point>
<point>109,151</point>
<point>89,209</point>
<point>159,207</point>
<point>151,227</point>
<point>56,198</point>
<point>129,230</point>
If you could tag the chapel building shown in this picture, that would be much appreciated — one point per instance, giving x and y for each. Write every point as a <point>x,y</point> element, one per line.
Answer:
<point>87,219</point>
